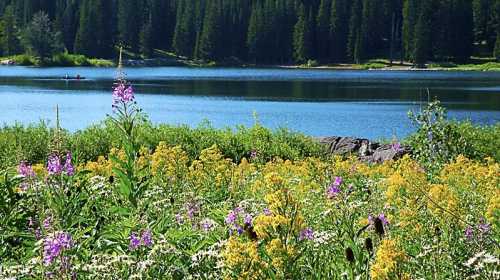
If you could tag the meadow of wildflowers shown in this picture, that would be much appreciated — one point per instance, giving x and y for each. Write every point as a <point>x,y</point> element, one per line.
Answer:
<point>162,212</point>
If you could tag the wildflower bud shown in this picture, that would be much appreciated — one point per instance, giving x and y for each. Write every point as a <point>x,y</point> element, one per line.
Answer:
<point>349,255</point>
<point>369,245</point>
<point>379,226</point>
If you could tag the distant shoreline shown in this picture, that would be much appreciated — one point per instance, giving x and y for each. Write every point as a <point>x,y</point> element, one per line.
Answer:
<point>375,64</point>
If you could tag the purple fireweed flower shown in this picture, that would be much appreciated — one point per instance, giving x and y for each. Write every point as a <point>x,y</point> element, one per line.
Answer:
<point>123,94</point>
<point>135,241</point>
<point>248,219</point>
<point>306,233</point>
<point>54,166</point>
<point>25,170</point>
<point>147,238</point>
<point>469,233</point>
<point>68,166</point>
<point>54,245</point>
<point>231,218</point>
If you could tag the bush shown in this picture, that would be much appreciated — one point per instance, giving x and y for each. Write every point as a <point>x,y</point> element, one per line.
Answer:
<point>438,140</point>
<point>31,142</point>
<point>24,60</point>
<point>66,59</point>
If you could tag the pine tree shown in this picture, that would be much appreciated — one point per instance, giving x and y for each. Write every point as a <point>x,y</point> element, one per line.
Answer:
<point>410,18</point>
<point>484,22</point>
<point>162,23</point>
<point>496,49</point>
<point>209,45</point>
<point>462,30</point>
<point>339,29</point>
<point>255,34</point>
<point>323,30</point>
<point>185,31</point>
<point>69,23</point>
<point>85,41</point>
<point>146,37</point>
<point>130,22</point>
<point>9,34</point>
<point>40,39</point>
<point>355,40</point>
<point>422,48</point>
<point>302,36</point>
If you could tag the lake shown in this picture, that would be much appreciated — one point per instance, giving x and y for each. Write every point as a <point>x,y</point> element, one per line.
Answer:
<point>371,104</point>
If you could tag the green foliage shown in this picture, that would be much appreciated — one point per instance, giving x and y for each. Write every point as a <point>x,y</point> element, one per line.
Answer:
<point>66,59</point>
<point>9,33</point>
<point>40,38</point>
<point>303,35</point>
<point>438,141</point>
<point>269,31</point>
<point>30,142</point>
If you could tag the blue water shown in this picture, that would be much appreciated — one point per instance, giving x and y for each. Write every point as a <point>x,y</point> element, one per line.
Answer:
<point>372,104</point>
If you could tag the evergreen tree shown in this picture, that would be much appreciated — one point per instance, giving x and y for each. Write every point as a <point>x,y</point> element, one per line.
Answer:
<point>323,30</point>
<point>355,39</point>
<point>302,36</point>
<point>185,32</point>
<point>209,44</point>
<point>69,23</point>
<point>484,22</point>
<point>146,37</point>
<point>9,34</point>
<point>339,29</point>
<point>462,30</point>
<point>130,22</point>
<point>85,41</point>
<point>162,23</point>
<point>411,10</point>
<point>422,48</point>
<point>496,49</point>
<point>256,34</point>
<point>39,37</point>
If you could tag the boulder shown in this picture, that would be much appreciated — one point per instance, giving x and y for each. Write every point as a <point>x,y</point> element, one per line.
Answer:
<point>364,149</point>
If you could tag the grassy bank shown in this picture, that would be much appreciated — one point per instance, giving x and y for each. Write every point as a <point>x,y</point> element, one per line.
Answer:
<point>164,58</point>
<point>59,60</point>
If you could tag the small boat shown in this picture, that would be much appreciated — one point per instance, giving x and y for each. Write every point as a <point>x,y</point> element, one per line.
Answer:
<point>77,77</point>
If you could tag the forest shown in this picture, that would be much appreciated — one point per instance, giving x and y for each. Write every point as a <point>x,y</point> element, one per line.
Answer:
<point>260,32</point>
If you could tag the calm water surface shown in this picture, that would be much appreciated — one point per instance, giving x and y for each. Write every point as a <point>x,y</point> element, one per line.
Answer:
<point>372,104</point>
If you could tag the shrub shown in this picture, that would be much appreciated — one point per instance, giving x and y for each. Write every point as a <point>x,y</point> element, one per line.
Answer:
<point>438,140</point>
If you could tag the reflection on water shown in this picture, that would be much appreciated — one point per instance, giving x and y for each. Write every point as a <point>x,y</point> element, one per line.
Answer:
<point>370,104</point>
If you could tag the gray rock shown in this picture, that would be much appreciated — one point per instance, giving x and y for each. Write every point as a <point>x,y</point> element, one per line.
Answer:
<point>363,148</point>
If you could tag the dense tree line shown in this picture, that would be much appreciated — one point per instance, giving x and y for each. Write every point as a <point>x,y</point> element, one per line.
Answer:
<point>263,31</point>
